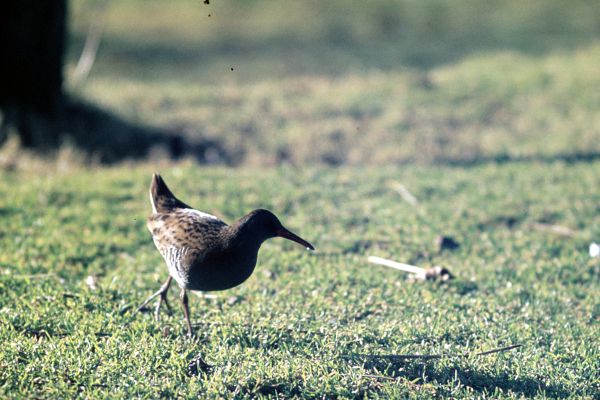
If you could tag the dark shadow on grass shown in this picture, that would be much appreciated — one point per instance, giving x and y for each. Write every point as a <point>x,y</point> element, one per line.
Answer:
<point>8,211</point>
<point>110,138</point>
<point>102,135</point>
<point>272,388</point>
<point>395,366</point>
<point>268,388</point>
<point>286,389</point>
<point>568,158</point>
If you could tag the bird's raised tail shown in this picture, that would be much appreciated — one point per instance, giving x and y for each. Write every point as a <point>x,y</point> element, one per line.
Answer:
<point>161,198</point>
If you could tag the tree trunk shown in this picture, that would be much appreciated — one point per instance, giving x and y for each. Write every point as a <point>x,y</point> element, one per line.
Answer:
<point>32,44</point>
<point>32,101</point>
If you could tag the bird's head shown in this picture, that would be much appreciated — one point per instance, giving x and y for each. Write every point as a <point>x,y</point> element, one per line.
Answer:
<point>265,225</point>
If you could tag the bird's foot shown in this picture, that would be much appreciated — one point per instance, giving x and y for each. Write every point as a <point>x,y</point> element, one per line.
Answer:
<point>197,365</point>
<point>163,299</point>
<point>162,292</point>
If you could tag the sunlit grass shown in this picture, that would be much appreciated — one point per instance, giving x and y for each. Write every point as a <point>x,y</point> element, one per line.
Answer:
<point>486,113</point>
<point>372,83</point>
<point>488,106</point>
<point>306,324</point>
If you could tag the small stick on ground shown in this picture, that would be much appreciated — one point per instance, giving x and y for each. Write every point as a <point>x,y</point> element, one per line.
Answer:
<point>419,273</point>
<point>404,193</point>
<point>555,229</point>
<point>396,265</point>
<point>507,348</point>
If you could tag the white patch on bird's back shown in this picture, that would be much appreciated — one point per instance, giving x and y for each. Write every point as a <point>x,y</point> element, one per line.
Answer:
<point>197,213</point>
<point>152,203</point>
<point>157,224</point>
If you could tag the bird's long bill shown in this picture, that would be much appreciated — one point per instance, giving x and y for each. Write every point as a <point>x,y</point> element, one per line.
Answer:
<point>284,233</point>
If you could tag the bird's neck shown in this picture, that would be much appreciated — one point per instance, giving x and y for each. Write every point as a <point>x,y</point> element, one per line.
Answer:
<point>241,235</point>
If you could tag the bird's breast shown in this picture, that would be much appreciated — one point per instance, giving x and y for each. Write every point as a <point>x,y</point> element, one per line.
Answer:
<point>221,271</point>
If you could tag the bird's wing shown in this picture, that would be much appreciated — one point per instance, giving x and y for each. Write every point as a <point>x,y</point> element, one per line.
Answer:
<point>184,237</point>
<point>184,234</point>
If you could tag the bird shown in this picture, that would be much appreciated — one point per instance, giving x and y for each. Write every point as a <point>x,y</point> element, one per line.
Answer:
<point>201,251</point>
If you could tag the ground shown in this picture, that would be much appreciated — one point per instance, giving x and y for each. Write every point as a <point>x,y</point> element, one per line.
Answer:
<point>311,324</point>
<point>495,134</point>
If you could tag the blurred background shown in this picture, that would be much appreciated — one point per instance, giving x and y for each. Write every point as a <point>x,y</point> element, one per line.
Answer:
<point>432,132</point>
<point>320,82</point>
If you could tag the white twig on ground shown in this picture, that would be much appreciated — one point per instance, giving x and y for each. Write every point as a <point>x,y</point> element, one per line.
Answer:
<point>408,197</point>
<point>556,229</point>
<point>399,266</point>
<point>404,193</point>
<point>417,273</point>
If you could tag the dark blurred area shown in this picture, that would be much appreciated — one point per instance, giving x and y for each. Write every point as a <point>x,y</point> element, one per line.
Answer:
<point>33,39</point>
<point>198,51</point>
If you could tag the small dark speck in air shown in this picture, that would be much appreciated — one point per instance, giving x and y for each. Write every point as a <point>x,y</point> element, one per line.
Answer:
<point>209,15</point>
<point>206,1</point>
<point>232,68</point>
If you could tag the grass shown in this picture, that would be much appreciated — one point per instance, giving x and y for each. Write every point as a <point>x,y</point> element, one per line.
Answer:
<point>487,114</point>
<point>305,324</point>
<point>330,87</point>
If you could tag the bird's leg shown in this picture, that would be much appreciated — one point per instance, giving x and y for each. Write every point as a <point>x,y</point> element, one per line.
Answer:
<point>164,289</point>
<point>186,311</point>
<point>198,363</point>
<point>162,292</point>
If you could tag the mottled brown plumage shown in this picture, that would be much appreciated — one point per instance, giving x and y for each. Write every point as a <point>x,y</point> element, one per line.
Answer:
<point>201,251</point>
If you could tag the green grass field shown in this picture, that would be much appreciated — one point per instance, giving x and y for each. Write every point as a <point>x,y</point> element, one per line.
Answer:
<point>308,324</point>
<point>324,82</point>
<point>488,116</point>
